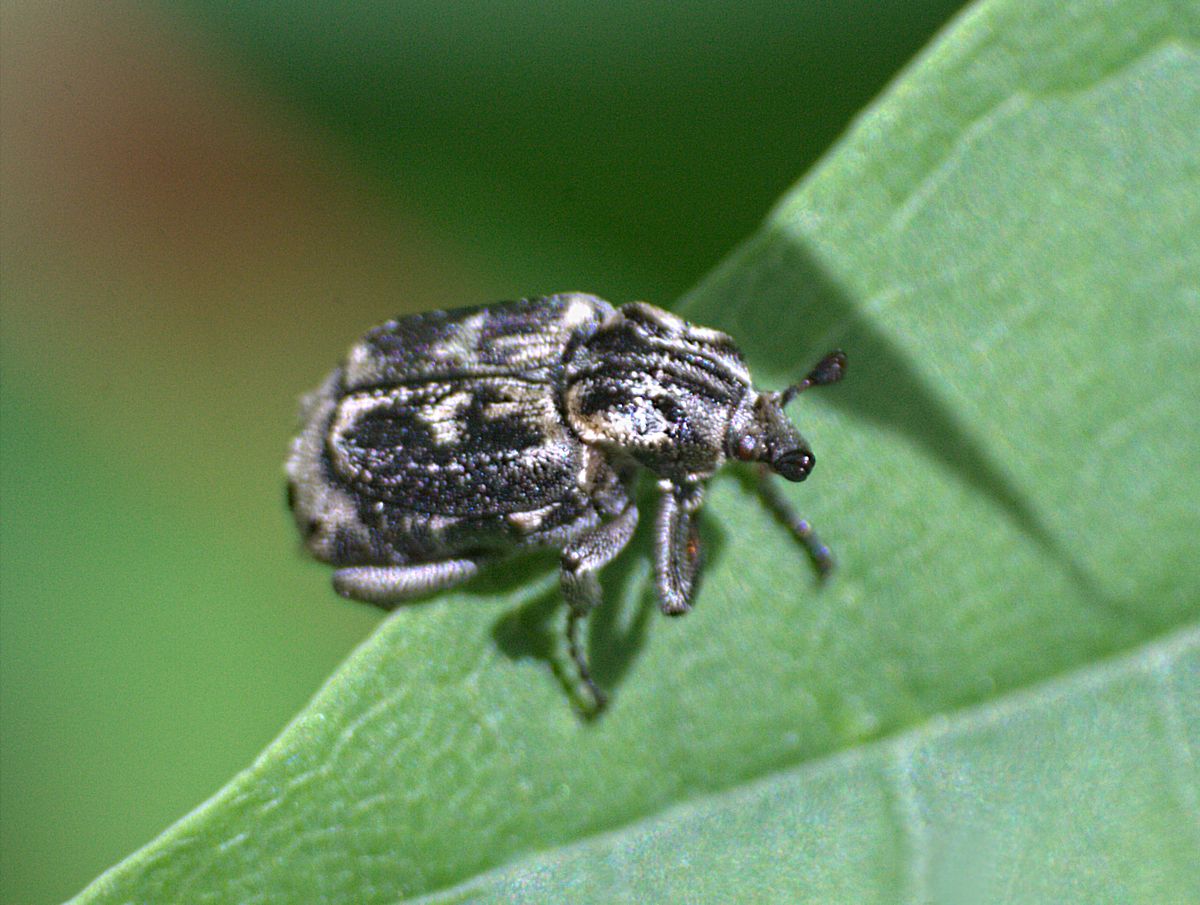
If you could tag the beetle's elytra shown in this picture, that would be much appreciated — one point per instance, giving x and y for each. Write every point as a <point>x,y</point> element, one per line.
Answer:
<point>452,438</point>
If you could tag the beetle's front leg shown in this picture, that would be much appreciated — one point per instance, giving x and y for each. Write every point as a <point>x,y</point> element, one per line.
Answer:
<point>388,586</point>
<point>677,546</point>
<point>818,552</point>
<point>582,558</point>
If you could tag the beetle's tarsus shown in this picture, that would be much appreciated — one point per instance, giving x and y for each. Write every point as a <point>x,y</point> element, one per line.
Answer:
<point>579,656</point>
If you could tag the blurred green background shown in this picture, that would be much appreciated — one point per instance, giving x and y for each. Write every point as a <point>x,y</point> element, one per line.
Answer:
<point>201,205</point>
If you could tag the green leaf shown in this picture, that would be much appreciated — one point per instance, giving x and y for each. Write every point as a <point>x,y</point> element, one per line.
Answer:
<point>994,699</point>
<point>961,809</point>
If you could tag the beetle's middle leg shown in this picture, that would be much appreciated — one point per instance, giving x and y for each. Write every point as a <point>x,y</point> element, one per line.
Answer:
<point>582,558</point>
<point>818,552</point>
<point>389,586</point>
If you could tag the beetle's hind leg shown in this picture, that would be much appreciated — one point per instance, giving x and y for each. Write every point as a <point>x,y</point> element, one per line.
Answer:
<point>582,558</point>
<point>388,586</point>
<point>818,551</point>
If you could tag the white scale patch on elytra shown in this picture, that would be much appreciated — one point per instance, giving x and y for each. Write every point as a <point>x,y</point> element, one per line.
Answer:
<point>363,365</point>
<point>444,418</point>
<point>330,507</point>
<point>351,410</point>
<point>495,411</point>
<point>461,347</point>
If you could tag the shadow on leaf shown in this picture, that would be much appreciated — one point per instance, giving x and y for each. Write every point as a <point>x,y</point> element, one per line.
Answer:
<point>616,630</point>
<point>787,312</point>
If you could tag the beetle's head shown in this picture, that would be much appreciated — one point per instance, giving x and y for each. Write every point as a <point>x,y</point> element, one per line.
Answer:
<point>760,431</point>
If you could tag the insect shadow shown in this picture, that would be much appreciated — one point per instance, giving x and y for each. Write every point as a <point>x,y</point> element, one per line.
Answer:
<point>616,629</point>
<point>890,387</point>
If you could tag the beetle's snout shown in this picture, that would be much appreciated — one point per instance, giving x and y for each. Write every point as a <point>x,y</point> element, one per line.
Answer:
<point>794,464</point>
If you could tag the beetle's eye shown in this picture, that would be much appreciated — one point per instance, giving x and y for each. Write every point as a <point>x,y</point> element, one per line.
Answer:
<point>745,448</point>
<point>794,465</point>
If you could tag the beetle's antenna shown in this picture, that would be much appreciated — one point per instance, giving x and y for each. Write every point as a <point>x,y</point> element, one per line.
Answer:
<point>829,369</point>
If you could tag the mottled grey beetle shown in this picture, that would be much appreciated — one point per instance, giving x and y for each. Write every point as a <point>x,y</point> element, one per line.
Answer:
<point>451,438</point>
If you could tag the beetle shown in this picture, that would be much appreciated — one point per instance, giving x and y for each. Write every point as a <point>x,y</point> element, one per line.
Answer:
<point>450,439</point>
